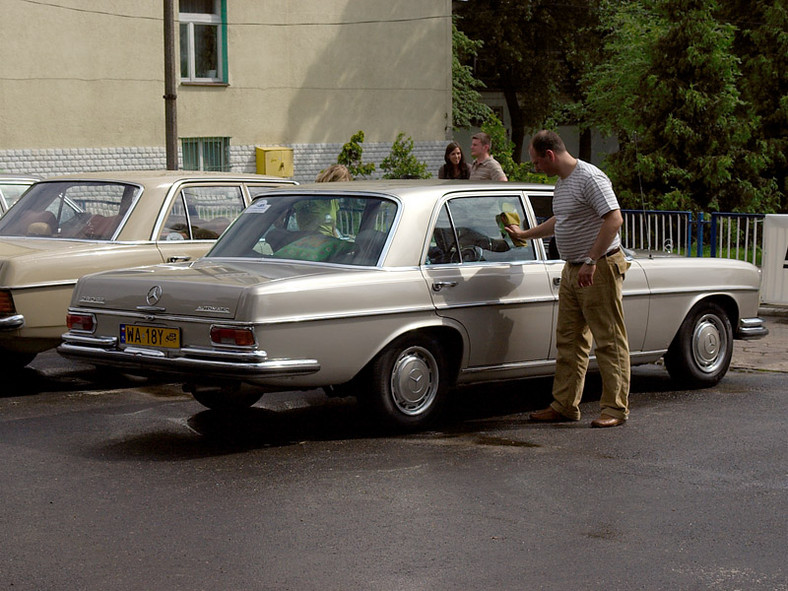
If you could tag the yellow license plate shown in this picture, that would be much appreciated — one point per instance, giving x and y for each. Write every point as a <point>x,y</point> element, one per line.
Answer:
<point>150,336</point>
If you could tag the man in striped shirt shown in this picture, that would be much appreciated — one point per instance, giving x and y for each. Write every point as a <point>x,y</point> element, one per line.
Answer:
<point>586,220</point>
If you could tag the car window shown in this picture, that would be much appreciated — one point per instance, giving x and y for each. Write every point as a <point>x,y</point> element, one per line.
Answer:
<point>543,209</point>
<point>202,213</point>
<point>12,192</point>
<point>70,209</point>
<point>324,228</point>
<point>471,230</point>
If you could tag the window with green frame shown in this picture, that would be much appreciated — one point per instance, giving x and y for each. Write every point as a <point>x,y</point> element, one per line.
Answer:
<point>206,153</point>
<point>203,37</point>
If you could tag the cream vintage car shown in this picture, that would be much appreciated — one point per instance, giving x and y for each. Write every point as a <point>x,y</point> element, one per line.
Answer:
<point>65,227</point>
<point>394,292</point>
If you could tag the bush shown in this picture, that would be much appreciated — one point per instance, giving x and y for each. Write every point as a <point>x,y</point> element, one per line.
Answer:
<point>401,163</point>
<point>350,156</point>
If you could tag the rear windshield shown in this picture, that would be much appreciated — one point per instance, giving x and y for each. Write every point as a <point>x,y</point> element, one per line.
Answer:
<point>333,228</point>
<point>73,209</point>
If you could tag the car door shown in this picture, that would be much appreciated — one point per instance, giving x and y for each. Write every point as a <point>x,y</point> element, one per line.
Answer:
<point>635,290</point>
<point>498,291</point>
<point>197,215</point>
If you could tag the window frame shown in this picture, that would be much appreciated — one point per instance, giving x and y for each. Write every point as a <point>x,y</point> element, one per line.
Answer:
<point>192,19</point>
<point>201,143</point>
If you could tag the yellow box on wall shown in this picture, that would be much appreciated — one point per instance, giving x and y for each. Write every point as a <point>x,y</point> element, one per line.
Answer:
<point>275,161</point>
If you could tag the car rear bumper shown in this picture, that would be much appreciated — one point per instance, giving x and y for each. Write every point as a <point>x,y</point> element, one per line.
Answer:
<point>751,328</point>
<point>249,366</point>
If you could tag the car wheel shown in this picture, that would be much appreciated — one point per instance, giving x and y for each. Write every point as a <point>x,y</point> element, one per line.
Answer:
<point>408,382</point>
<point>225,398</point>
<point>15,361</point>
<point>701,351</point>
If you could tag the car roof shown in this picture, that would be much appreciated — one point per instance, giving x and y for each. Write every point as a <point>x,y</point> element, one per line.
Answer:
<point>166,176</point>
<point>19,177</point>
<point>404,187</point>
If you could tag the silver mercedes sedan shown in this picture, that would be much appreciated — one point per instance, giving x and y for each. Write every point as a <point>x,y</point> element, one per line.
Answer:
<point>394,292</point>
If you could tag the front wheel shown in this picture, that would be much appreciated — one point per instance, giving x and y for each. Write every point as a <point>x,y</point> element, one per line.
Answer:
<point>408,382</point>
<point>701,351</point>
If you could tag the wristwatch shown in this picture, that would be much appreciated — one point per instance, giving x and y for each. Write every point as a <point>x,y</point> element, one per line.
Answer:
<point>589,261</point>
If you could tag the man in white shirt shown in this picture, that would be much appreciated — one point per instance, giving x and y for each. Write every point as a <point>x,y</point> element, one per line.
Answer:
<point>586,221</point>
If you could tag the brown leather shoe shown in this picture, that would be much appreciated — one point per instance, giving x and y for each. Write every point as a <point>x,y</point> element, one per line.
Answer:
<point>548,415</point>
<point>607,421</point>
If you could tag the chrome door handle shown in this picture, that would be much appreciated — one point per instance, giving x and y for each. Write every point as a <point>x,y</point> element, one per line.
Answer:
<point>439,285</point>
<point>179,259</point>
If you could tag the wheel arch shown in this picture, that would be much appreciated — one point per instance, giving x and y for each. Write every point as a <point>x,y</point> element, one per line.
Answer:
<point>449,337</point>
<point>725,301</point>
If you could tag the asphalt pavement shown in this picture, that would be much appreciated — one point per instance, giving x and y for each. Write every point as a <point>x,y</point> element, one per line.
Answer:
<point>768,353</point>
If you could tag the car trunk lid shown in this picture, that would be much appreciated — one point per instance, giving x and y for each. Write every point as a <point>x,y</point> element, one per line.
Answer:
<point>204,288</point>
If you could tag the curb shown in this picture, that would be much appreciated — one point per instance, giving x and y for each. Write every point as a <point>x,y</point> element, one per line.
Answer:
<point>772,310</point>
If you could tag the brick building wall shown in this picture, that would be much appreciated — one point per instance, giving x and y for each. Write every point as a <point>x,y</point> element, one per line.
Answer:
<point>308,159</point>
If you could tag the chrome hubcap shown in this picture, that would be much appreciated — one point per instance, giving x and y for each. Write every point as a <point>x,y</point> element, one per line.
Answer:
<point>709,343</point>
<point>414,381</point>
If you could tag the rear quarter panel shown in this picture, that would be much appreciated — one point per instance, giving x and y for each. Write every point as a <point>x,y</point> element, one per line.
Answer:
<point>341,320</point>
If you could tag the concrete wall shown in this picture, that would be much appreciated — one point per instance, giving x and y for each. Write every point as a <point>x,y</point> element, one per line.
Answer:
<point>82,82</point>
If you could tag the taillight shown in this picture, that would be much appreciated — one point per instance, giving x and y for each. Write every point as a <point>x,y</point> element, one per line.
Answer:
<point>7,307</point>
<point>83,322</point>
<point>239,337</point>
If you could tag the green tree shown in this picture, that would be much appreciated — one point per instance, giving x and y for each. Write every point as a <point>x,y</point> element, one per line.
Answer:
<point>350,156</point>
<point>761,44</point>
<point>533,51</point>
<point>467,105</point>
<point>690,141</point>
<point>502,148</point>
<point>630,31</point>
<point>401,163</point>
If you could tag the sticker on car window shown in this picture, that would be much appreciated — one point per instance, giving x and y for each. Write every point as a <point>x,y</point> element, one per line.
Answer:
<point>259,206</point>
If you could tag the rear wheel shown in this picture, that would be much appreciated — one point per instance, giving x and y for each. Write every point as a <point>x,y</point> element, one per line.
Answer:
<point>225,398</point>
<point>407,382</point>
<point>701,351</point>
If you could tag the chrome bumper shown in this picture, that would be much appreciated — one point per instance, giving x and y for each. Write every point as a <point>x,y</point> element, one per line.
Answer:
<point>249,366</point>
<point>751,328</point>
<point>12,322</point>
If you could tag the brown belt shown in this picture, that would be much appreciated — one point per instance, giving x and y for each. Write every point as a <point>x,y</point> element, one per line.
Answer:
<point>607,254</point>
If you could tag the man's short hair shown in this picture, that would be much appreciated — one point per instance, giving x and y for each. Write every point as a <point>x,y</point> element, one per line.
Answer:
<point>547,140</point>
<point>482,137</point>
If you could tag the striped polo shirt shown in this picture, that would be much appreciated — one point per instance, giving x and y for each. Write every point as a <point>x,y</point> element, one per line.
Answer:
<point>579,202</point>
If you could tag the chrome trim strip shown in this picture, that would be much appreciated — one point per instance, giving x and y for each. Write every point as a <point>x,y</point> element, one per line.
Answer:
<point>66,283</point>
<point>641,357</point>
<point>705,291</point>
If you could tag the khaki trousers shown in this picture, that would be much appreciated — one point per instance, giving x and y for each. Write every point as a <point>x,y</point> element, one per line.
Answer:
<point>584,312</point>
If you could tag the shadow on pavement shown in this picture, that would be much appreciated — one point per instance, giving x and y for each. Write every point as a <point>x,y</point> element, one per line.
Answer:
<point>310,417</point>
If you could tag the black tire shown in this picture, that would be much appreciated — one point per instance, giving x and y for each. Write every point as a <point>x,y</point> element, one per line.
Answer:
<point>408,383</point>
<point>13,361</point>
<point>701,351</point>
<point>226,398</point>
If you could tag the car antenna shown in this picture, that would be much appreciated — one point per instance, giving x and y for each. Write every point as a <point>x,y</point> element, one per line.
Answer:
<point>642,196</point>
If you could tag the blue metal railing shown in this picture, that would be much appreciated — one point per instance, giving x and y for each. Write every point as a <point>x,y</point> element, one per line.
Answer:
<point>729,235</point>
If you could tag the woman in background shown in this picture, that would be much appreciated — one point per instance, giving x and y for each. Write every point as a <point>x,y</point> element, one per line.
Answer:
<point>455,167</point>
